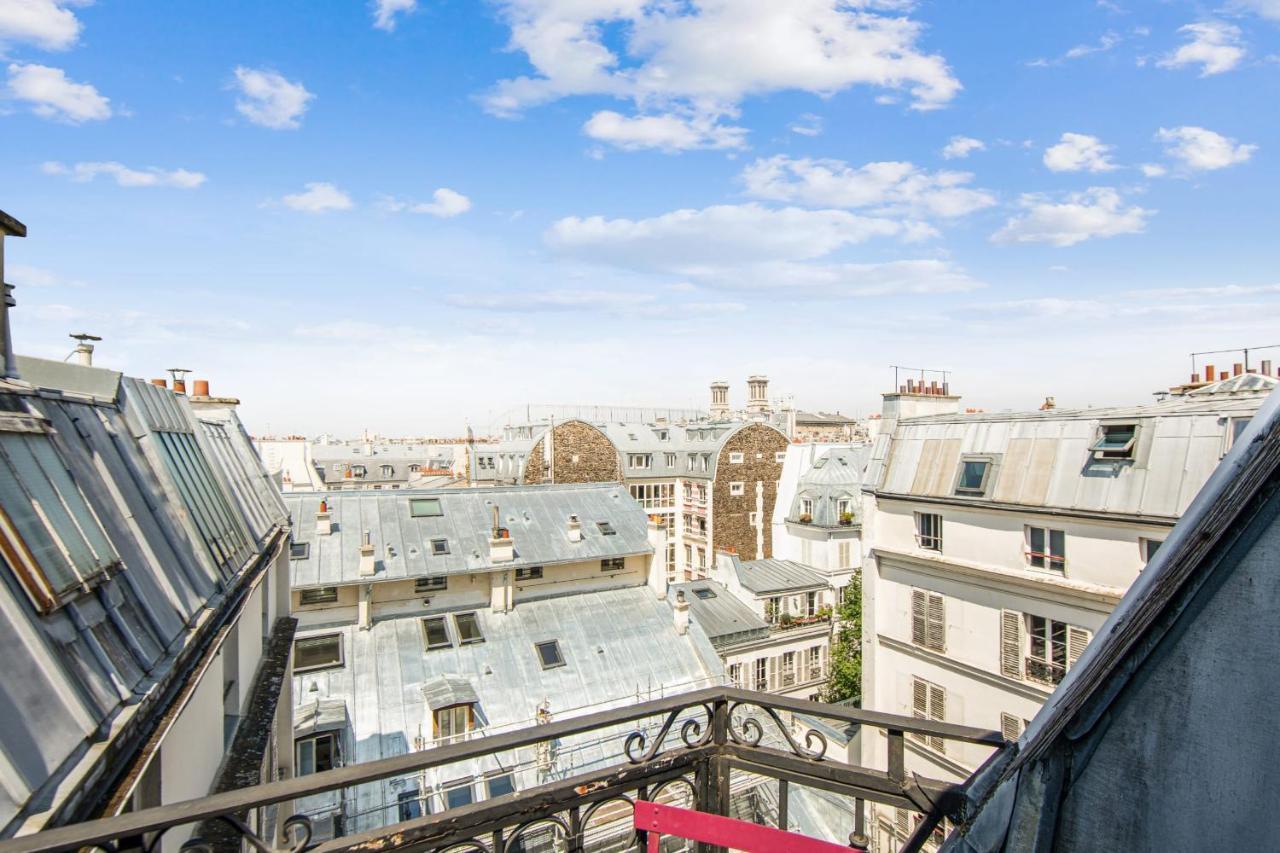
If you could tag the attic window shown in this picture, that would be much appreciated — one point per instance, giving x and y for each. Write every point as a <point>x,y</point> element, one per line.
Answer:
<point>317,652</point>
<point>431,584</point>
<point>435,633</point>
<point>439,546</point>
<point>425,508</point>
<point>972,477</point>
<point>704,592</point>
<point>299,550</point>
<point>468,628</point>
<point>318,595</point>
<point>606,528</point>
<point>1115,441</point>
<point>549,654</point>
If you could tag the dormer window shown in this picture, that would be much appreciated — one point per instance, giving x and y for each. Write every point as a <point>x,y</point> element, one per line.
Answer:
<point>386,470</point>
<point>639,461</point>
<point>806,506</point>
<point>1115,441</point>
<point>971,480</point>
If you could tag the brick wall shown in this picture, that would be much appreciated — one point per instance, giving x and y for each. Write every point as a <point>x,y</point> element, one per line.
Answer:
<point>583,454</point>
<point>731,527</point>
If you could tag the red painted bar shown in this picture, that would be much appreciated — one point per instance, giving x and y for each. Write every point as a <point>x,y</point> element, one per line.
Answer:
<point>657,819</point>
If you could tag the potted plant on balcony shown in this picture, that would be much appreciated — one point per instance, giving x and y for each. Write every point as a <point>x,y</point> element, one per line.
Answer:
<point>846,519</point>
<point>805,518</point>
<point>785,620</point>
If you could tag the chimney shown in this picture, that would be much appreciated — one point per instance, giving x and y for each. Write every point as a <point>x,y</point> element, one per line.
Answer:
<point>324,520</point>
<point>160,383</point>
<point>574,529</point>
<point>1048,404</point>
<point>9,227</point>
<point>1237,369</point>
<point>179,379</point>
<point>757,395</point>
<point>84,350</point>
<point>1195,379</point>
<point>501,548</point>
<point>719,400</point>
<point>1266,367</point>
<point>368,565</point>
<point>201,388</point>
<point>681,608</point>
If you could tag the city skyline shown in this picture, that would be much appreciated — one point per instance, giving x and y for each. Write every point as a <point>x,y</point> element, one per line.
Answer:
<point>403,215</point>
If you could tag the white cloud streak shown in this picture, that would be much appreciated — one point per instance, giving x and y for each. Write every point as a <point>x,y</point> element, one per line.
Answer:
<point>46,24</point>
<point>318,197</point>
<point>126,177</point>
<point>53,95</point>
<point>1202,150</point>
<point>445,203</point>
<point>1095,213</point>
<point>1213,45</point>
<point>1079,152</point>
<point>666,132</point>
<point>385,12</point>
<point>960,147</point>
<point>268,99</point>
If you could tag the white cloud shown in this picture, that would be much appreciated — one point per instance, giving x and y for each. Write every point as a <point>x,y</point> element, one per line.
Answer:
<point>959,147</point>
<point>1213,45</point>
<point>1105,43</point>
<point>53,96</point>
<point>667,132</point>
<point>446,203</point>
<point>1153,170</point>
<point>1203,150</point>
<point>1265,8</point>
<point>689,58</point>
<point>558,301</point>
<point>47,24</point>
<point>1096,212</point>
<point>126,177</point>
<point>1078,152</point>
<point>319,197</point>
<point>268,99</point>
<point>385,12</point>
<point>847,280</point>
<point>886,187</point>
<point>808,124</point>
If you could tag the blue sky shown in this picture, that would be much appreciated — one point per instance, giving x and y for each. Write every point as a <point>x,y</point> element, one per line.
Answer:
<point>406,215</point>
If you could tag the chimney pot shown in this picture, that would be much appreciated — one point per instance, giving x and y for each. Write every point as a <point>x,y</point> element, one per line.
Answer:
<point>179,386</point>
<point>160,383</point>
<point>1195,379</point>
<point>1223,375</point>
<point>1266,367</point>
<point>202,388</point>
<point>1209,373</point>
<point>1237,369</point>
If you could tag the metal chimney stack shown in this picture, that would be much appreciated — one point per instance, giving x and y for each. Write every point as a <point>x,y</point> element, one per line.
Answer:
<point>9,227</point>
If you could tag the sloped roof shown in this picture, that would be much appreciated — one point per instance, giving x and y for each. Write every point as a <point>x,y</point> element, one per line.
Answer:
<point>766,576</point>
<point>836,474</point>
<point>536,516</point>
<point>720,615</point>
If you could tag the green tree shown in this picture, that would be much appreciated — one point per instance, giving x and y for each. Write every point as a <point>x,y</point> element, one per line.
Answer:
<point>845,680</point>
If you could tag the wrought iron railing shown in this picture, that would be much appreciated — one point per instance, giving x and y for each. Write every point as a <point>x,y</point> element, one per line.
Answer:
<point>696,750</point>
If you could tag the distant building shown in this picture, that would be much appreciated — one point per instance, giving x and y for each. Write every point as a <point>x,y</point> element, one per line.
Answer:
<point>367,464</point>
<point>999,544</point>
<point>826,428</point>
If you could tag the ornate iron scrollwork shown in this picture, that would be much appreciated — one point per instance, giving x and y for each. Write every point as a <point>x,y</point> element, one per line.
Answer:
<point>751,733</point>
<point>301,840</point>
<point>693,732</point>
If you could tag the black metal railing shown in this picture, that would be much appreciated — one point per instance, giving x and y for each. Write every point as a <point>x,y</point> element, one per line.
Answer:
<point>697,749</point>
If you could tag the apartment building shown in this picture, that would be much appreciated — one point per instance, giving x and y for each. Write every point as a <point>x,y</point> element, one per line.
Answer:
<point>368,464</point>
<point>817,519</point>
<point>999,544</point>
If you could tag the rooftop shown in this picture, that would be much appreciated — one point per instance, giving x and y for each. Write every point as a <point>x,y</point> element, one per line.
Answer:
<point>763,577</point>
<point>721,616</point>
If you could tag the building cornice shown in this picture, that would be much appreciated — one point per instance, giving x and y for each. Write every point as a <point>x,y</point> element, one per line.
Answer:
<point>1043,586</point>
<point>998,506</point>
<point>1026,690</point>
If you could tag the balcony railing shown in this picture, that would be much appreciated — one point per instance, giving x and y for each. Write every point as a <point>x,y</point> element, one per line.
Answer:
<point>696,750</point>
<point>776,624</point>
<point>1045,672</point>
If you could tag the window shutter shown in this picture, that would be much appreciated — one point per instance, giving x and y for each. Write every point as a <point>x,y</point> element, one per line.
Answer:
<point>773,674</point>
<point>1011,644</point>
<point>1010,726</point>
<point>902,822</point>
<point>919,699</point>
<point>919,630</point>
<point>1077,639</point>
<point>937,711</point>
<point>937,627</point>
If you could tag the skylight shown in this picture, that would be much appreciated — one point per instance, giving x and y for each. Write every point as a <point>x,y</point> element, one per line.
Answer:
<point>425,508</point>
<point>606,528</point>
<point>549,654</point>
<point>704,592</point>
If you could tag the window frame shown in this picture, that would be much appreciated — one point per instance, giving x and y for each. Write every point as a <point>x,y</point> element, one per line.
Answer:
<point>736,458</point>
<point>304,555</point>
<point>426,636</point>
<point>335,752</point>
<point>737,489</point>
<point>430,583</point>
<point>439,546</point>
<point>415,503</point>
<point>613,564</point>
<point>988,463</point>
<point>325,597</point>
<point>606,528</point>
<point>529,573</point>
<point>640,461</point>
<point>1101,450</point>
<point>333,664</point>
<point>451,713</point>
<point>474,619</point>
<point>935,537</point>
<point>1145,551</point>
<point>1047,557</point>
<point>542,659</point>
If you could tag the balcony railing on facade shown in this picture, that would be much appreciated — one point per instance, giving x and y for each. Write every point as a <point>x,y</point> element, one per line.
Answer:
<point>699,750</point>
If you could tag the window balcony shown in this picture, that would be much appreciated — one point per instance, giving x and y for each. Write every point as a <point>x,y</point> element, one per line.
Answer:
<point>1045,672</point>
<point>711,751</point>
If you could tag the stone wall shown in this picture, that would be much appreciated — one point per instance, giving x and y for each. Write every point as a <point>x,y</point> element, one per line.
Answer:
<point>731,527</point>
<point>583,454</point>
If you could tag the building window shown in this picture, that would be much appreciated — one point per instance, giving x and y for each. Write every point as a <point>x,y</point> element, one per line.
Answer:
<point>670,460</point>
<point>844,554</point>
<point>425,507</point>
<point>1115,441</point>
<point>316,754</point>
<point>468,628</point>
<point>735,674</point>
<point>1041,649</point>
<point>780,457</point>
<point>1011,726</point>
<point>971,480</point>
<point>929,702</point>
<point>311,653</point>
<point>409,804</point>
<point>844,506</point>
<point>736,490</point>
<point>762,675</point>
<point>639,461</point>
<point>753,518</point>
<point>529,574</point>
<point>735,458</point>
<point>318,595</point>
<point>704,592</point>
<point>613,564</point>
<point>453,723</point>
<point>299,550</point>
<point>1047,649</point>
<point>432,583</point>
<point>606,528</point>
<point>815,663</point>
<point>811,604</point>
<point>806,506</point>
<point>688,555</point>
<point>499,785</point>
<point>704,461</point>
<point>1046,549</point>
<point>435,633</point>
<point>549,654</point>
<point>1235,427</point>
<point>929,531</point>
<point>773,609</point>
<point>928,620</point>
<point>458,794</point>
<point>702,557</point>
<point>386,470</point>
<point>1148,548</point>
<point>788,669</point>
<point>439,547</point>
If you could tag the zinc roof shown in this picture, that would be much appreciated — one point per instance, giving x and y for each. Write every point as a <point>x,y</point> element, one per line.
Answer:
<point>721,616</point>
<point>536,516</point>
<point>769,575</point>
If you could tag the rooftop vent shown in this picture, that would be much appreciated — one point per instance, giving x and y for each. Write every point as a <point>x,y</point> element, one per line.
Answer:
<point>368,565</point>
<point>324,520</point>
<point>574,529</point>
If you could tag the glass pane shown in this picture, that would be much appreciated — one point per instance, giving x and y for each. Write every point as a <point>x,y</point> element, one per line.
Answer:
<point>437,634</point>
<point>316,651</point>
<point>425,507</point>
<point>468,627</point>
<point>306,757</point>
<point>499,785</point>
<point>325,757</point>
<point>459,796</point>
<point>972,475</point>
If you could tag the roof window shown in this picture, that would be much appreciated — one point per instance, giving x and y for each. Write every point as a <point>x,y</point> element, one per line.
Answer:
<point>549,654</point>
<point>1115,441</point>
<point>606,528</point>
<point>971,480</point>
<point>425,508</point>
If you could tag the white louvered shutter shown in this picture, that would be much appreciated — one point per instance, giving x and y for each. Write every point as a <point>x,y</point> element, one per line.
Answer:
<point>1077,639</point>
<point>937,711</point>
<point>919,606</point>
<point>1010,726</point>
<point>773,674</point>
<point>1011,644</point>
<point>902,822</point>
<point>937,624</point>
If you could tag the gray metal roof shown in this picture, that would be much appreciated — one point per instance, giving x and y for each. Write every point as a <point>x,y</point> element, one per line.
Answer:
<point>536,516</point>
<point>767,576</point>
<point>1043,459</point>
<point>158,508</point>
<point>447,690</point>
<point>65,376</point>
<point>619,647</point>
<point>721,616</point>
